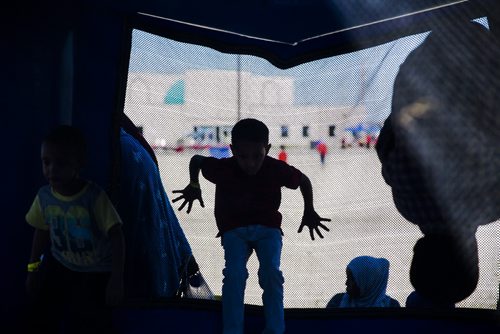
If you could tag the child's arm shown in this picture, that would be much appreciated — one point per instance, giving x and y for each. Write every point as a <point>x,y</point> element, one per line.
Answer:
<point>41,239</point>
<point>310,218</point>
<point>114,291</point>
<point>192,190</point>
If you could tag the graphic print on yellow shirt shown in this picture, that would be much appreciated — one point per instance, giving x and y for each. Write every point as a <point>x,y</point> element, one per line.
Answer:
<point>71,234</point>
<point>78,226</point>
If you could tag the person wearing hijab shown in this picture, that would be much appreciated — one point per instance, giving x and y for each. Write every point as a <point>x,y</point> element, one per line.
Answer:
<point>366,285</point>
<point>158,251</point>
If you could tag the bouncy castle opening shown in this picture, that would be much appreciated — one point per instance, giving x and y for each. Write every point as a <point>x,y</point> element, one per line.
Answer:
<point>186,99</point>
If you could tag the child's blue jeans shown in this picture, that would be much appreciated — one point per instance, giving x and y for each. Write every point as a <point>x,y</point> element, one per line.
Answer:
<point>238,245</point>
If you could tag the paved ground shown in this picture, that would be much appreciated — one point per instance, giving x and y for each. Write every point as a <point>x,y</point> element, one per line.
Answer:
<point>348,189</point>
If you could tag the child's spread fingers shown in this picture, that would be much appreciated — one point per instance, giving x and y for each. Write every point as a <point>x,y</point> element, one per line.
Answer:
<point>323,227</point>
<point>319,232</point>
<point>300,228</point>
<point>177,198</point>
<point>183,204</point>
<point>201,203</point>
<point>189,207</point>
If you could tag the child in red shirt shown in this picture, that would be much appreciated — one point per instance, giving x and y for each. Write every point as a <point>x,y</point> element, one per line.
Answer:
<point>283,156</point>
<point>322,149</point>
<point>247,199</point>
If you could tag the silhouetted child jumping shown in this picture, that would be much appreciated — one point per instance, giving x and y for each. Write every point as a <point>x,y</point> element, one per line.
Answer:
<point>247,199</point>
<point>83,270</point>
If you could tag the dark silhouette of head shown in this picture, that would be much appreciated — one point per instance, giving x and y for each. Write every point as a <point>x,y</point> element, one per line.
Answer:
<point>440,154</point>
<point>445,269</point>
<point>250,144</point>
<point>70,138</point>
<point>250,130</point>
<point>443,128</point>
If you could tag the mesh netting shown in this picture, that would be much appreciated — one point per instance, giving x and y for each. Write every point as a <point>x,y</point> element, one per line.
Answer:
<point>186,99</point>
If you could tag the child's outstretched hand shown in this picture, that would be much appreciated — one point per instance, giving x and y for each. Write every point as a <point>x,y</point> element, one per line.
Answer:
<point>312,220</point>
<point>189,194</point>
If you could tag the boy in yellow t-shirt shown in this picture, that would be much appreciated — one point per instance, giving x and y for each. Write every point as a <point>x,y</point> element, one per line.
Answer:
<point>83,269</point>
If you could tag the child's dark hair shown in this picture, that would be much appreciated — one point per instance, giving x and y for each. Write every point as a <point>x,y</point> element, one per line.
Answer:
<point>250,129</point>
<point>69,137</point>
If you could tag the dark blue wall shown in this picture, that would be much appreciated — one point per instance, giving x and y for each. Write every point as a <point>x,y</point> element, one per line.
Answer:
<point>30,56</point>
<point>35,93</point>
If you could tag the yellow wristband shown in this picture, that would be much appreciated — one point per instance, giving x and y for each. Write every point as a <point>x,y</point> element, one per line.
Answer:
<point>34,266</point>
<point>194,184</point>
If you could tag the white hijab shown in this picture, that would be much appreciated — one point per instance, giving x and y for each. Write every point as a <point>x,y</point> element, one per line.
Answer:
<point>371,276</point>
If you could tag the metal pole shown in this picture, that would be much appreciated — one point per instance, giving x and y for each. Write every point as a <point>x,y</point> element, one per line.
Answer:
<point>238,87</point>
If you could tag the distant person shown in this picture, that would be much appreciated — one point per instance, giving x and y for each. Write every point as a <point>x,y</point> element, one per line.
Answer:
<point>247,199</point>
<point>439,153</point>
<point>283,156</point>
<point>368,140</point>
<point>366,284</point>
<point>322,150</point>
<point>81,274</point>
<point>343,143</point>
<point>157,248</point>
